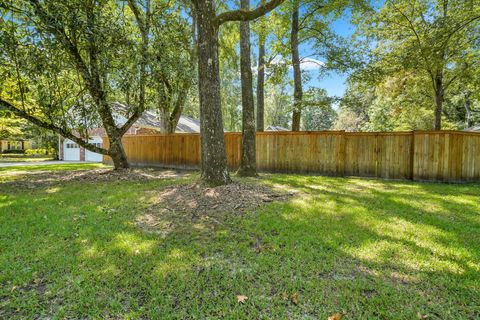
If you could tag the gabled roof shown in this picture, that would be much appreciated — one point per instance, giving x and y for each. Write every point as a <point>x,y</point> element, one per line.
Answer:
<point>150,120</point>
<point>275,128</point>
<point>188,125</point>
<point>474,128</point>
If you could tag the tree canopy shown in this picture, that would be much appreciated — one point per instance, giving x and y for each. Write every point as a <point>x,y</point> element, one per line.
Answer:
<point>409,64</point>
<point>420,58</point>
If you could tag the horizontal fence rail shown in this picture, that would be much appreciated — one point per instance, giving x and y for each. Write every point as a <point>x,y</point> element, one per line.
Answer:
<point>450,156</point>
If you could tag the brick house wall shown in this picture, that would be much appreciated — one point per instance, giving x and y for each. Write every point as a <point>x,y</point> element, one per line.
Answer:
<point>82,153</point>
<point>60,147</point>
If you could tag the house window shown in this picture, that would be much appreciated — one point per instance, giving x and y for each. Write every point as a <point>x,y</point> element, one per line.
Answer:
<point>72,146</point>
<point>14,145</point>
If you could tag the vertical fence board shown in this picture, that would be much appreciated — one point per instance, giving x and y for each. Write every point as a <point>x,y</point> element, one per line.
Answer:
<point>360,154</point>
<point>394,155</point>
<point>471,160</point>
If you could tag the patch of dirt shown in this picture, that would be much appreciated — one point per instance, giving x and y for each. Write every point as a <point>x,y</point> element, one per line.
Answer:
<point>36,179</point>
<point>202,208</point>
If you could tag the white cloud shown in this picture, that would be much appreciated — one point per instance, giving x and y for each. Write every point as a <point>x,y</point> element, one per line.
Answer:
<point>311,64</point>
<point>307,64</point>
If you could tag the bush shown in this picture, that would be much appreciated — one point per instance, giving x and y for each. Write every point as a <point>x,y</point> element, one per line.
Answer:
<point>34,152</point>
<point>13,152</point>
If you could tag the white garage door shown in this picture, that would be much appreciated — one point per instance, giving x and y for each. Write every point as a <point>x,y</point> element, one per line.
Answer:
<point>71,151</point>
<point>92,156</point>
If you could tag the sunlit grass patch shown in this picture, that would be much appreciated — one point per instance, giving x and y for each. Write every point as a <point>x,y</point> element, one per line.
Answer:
<point>52,167</point>
<point>368,249</point>
<point>23,158</point>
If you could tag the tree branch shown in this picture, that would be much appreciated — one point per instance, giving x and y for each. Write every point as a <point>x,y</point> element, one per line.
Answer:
<point>141,23</point>
<point>412,28</point>
<point>5,105</point>
<point>52,25</point>
<point>133,118</point>
<point>309,14</point>
<point>460,27</point>
<point>144,26</point>
<point>246,15</point>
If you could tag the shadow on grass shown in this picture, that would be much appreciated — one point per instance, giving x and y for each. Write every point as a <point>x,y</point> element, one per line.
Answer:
<point>371,249</point>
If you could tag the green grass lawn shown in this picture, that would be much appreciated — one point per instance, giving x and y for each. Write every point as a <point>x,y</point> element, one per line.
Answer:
<point>19,172</point>
<point>367,249</point>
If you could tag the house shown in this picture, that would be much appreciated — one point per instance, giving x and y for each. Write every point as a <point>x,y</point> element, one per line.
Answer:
<point>9,145</point>
<point>474,128</point>
<point>148,123</point>
<point>276,128</point>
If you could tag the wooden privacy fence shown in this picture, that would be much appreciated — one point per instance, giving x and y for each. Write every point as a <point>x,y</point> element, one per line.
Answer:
<point>449,156</point>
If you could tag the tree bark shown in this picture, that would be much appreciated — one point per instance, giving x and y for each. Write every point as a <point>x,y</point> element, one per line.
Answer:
<point>439,98</point>
<point>297,73</point>
<point>468,110</point>
<point>214,159</point>
<point>248,164</point>
<point>168,125</point>
<point>261,84</point>
<point>169,120</point>
<point>117,153</point>
<point>243,15</point>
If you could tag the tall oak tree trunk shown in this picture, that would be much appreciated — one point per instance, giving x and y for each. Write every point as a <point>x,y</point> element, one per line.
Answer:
<point>468,110</point>
<point>261,81</point>
<point>248,164</point>
<point>297,73</point>
<point>439,98</point>
<point>261,87</point>
<point>214,159</point>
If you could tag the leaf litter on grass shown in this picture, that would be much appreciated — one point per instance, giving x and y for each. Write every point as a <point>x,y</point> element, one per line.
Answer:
<point>202,207</point>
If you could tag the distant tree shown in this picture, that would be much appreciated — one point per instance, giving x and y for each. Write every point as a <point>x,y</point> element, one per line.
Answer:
<point>278,106</point>
<point>309,26</point>
<point>398,102</point>
<point>231,92</point>
<point>433,37</point>
<point>348,121</point>
<point>11,127</point>
<point>231,88</point>
<point>318,113</point>
<point>354,105</point>
<point>173,51</point>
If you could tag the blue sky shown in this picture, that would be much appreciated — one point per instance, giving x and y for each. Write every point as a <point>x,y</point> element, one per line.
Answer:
<point>334,82</point>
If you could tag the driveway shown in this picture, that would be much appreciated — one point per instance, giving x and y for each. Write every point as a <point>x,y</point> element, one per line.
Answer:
<point>36,163</point>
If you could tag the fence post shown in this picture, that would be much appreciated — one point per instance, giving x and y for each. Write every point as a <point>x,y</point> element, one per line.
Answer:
<point>376,155</point>
<point>412,157</point>
<point>343,155</point>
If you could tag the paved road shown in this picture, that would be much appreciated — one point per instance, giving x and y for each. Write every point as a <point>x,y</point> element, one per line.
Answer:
<point>36,163</point>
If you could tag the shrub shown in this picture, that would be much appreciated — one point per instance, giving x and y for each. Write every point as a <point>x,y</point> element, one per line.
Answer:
<point>13,152</point>
<point>34,152</point>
